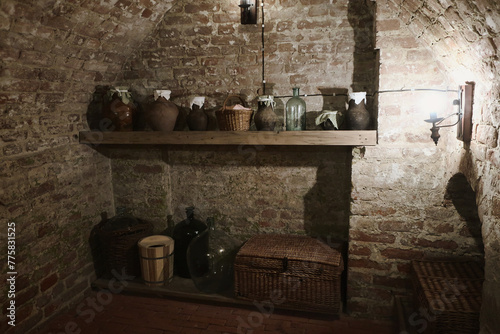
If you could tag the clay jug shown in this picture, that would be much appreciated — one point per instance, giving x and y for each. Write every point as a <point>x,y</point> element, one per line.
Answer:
<point>265,118</point>
<point>118,109</point>
<point>161,115</point>
<point>358,118</point>
<point>197,119</point>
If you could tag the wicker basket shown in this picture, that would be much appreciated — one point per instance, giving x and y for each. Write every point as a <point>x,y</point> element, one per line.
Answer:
<point>295,272</point>
<point>231,119</point>
<point>450,292</point>
<point>120,250</point>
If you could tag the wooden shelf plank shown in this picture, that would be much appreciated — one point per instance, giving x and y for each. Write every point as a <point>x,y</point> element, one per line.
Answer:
<point>290,138</point>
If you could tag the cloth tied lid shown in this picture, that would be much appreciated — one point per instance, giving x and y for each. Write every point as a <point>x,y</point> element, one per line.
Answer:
<point>165,93</point>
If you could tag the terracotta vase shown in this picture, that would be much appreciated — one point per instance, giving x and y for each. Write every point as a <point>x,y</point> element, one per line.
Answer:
<point>358,117</point>
<point>265,118</point>
<point>118,110</point>
<point>161,115</point>
<point>197,119</point>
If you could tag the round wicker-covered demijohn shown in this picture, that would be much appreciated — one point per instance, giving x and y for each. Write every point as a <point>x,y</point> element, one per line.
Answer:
<point>118,238</point>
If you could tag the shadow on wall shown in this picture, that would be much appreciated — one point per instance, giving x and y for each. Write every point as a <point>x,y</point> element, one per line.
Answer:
<point>327,203</point>
<point>463,198</point>
<point>361,16</point>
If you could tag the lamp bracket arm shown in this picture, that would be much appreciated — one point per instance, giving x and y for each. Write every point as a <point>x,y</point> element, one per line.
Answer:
<point>459,114</point>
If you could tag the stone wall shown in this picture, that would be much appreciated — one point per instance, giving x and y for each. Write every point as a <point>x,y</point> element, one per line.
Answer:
<point>266,189</point>
<point>53,54</point>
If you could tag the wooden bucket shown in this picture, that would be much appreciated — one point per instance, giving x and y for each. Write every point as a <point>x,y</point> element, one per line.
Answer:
<point>157,259</point>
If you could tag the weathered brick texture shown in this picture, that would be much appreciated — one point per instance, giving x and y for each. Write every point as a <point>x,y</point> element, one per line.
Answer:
<point>389,201</point>
<point>446,44</point>
<point>53,55</point>
<point>307,44</point>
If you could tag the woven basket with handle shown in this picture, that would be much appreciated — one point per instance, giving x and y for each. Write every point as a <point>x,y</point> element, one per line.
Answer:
<point>231,119</point>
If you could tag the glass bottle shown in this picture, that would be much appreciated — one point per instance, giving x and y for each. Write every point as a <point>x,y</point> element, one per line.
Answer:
<point>184,232</point>
<point>169,230</point>
<point>210,258</point>
<point>295,112</point>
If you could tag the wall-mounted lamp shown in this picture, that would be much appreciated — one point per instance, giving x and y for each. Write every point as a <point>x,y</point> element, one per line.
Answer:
<point>248,11</point>
<point>464,114</point>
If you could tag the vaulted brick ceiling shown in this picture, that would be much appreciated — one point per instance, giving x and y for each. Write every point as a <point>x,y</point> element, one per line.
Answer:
<point>98,36</point>
<point>463,35</point>
<point>94,36</point>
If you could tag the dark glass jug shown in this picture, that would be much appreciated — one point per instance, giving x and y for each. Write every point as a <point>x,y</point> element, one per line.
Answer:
<point>183,233</point>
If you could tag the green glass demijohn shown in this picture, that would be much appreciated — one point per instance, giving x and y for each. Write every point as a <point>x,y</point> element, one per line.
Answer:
<point>210,259</point>
<point>295,112</point>
<point>183,233</point>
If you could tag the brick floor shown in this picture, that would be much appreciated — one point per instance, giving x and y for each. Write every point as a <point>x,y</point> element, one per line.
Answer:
<point>110,314</point>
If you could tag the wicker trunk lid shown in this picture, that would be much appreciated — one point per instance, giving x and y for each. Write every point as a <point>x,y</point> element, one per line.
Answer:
<point>450,292</point>
<point>291,271</point>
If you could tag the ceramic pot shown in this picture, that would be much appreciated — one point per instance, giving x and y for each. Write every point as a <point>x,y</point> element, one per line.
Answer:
<point>358,117</point>
<point>119,109</point>
<point>327,125</point>
<point>161,115</point>
<point>197,119</point>
<point>265,118</point>
<point>330,120</point>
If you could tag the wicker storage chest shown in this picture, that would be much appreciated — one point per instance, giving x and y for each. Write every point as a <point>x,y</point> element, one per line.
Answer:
<point>291,271</point>
<point>450,292</point>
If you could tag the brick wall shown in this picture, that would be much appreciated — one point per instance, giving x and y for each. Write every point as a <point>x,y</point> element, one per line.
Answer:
<point>398,210</point>
<point>421,222</point>
<point>53,54</point>
<point>202,49</point>
<point>465,38</point>
<point>247,190</point>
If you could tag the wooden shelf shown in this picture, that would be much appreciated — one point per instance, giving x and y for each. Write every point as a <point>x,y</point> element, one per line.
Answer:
<point>285,138</point>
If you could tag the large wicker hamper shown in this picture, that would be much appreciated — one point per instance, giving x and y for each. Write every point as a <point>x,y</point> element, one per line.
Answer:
<point>449,293</point>
<point>290,271</point>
